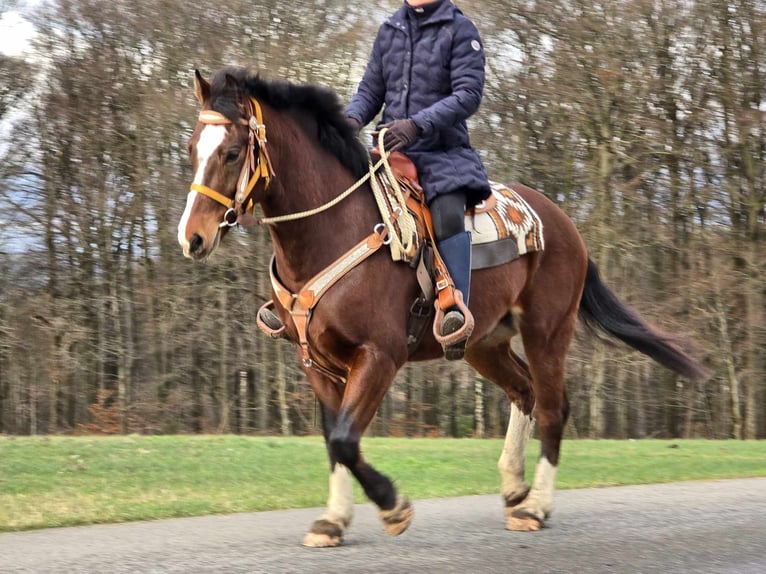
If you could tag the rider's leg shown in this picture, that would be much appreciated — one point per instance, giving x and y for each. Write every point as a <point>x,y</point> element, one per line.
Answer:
<point>454,245</point>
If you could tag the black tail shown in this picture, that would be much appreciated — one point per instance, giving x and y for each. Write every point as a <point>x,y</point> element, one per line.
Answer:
<point>600,309</point>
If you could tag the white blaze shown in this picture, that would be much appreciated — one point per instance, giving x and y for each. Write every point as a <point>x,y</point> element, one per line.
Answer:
<point>210,138</point>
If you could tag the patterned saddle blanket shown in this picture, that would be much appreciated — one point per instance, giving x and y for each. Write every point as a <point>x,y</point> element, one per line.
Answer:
<point>503,228</point>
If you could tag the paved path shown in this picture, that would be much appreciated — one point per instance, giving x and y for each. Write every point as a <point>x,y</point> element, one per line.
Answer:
<point>699,527</point>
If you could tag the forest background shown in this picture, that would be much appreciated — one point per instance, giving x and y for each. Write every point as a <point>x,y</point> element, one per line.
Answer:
<point>644,120</point>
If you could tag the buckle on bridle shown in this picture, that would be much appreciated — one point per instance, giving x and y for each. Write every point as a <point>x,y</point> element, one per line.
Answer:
<point>256,126</point>
<point>229,218</point>
<point>380,228</point>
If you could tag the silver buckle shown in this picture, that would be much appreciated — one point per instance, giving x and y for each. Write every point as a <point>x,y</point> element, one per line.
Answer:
<point>379,228</point>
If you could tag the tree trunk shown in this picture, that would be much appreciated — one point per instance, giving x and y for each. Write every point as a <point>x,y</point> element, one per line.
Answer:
<point>596,394</point>
<point>729,384</point>
<point>244,407</point>
<point>222,390</point>
<point>262,393</point>
<point>754,319</point>
<point>622,403</point>
<point>124,317</point>
<point>454,411</point>
<point>284,409</point>
<point>640,402</point>
<point>478,407</point>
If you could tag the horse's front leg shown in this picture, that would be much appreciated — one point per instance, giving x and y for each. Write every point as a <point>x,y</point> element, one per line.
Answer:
<point>369,378</point>
<point>328,529</point>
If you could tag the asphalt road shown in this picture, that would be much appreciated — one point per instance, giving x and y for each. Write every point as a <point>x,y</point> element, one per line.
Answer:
<point>700,527</point>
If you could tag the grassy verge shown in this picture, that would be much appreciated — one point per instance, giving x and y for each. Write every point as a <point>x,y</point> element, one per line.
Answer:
<point>62,481</point>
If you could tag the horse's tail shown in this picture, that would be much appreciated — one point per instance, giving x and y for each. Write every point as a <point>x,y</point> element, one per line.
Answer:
<point>600,309</point>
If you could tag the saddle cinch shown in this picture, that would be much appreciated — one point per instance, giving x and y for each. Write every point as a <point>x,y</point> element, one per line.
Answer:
<point>503,228</point>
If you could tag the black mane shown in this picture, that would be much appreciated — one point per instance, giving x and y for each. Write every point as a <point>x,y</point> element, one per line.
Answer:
<point>335,133</point>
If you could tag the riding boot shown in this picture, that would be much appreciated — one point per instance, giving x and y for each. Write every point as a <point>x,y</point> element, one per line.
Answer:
<point>456,254</point>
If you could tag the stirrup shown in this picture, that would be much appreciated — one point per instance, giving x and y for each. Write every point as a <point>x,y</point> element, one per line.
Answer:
<point>268,322</point>
<point>453,329</point>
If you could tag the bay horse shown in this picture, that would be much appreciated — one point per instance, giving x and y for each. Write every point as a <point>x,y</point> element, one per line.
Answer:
<point>289,148</point>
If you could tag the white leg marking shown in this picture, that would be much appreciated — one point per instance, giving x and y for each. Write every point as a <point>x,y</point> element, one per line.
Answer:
<point>340,504</point>
<point>511,462</point>
<point>339,512</point>
<point>209,139</point>
<point>541,495</point>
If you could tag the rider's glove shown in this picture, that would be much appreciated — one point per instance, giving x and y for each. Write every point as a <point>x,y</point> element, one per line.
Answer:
<point>401,133</point>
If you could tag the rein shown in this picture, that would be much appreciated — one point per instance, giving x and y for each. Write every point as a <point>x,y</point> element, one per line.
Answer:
<point>401,238</point>
<point>404,243</point>
<point>241,209</point>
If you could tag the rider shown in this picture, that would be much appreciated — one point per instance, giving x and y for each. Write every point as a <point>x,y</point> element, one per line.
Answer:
<point>426,71</point>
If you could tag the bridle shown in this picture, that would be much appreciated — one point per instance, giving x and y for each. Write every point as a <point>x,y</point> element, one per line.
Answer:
<point>253,170</point>
<point>241,209</point>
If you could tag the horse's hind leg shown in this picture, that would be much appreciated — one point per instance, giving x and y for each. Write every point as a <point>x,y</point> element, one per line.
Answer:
<point>494,359</point>
<point>546,353</point>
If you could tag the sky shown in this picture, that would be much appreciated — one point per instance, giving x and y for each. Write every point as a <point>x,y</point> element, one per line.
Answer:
<point>15,32</point>
<point>15,35</point>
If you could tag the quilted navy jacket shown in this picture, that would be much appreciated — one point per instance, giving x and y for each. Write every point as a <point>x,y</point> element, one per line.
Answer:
<point>429,67</point>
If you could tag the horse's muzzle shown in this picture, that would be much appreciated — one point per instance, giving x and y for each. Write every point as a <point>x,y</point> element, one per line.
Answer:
<point>199,249</point>
<point>196,246</point>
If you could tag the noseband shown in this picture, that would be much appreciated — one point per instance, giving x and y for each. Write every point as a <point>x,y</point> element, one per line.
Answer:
<point>253,169</point>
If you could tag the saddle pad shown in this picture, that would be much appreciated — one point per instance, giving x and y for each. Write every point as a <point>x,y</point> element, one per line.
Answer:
<point>505,231</point>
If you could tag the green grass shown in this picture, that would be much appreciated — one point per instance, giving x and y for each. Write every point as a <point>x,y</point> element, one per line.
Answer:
<point>62,481</point>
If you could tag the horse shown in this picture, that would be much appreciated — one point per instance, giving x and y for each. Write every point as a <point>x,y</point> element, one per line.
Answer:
<point>288,148</point>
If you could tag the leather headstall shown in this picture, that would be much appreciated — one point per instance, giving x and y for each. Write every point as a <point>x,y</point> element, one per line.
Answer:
<point>240,208</point>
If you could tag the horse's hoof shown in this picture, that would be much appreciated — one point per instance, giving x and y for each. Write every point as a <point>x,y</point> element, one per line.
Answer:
<point>314,540</point>
<point>324,534</point>
<point>523,521</point>
<point>398,519</point>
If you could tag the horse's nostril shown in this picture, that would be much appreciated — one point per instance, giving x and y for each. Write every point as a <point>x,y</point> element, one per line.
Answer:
<point>195,243</point>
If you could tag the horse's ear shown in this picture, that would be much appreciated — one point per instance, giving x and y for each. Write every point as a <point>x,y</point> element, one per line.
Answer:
<point>201,87</point>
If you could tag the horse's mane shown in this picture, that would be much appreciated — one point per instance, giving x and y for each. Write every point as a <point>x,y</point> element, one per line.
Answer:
<point>335,134</point>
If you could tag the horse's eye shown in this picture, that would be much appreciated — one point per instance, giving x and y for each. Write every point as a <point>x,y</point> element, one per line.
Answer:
<point>233,154</point>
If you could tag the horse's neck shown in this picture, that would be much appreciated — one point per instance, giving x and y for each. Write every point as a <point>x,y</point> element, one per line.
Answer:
<point>306,246</point>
